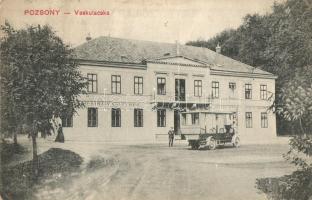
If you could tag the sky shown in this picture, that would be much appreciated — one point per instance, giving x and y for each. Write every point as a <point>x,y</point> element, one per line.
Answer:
<point>153,20</point>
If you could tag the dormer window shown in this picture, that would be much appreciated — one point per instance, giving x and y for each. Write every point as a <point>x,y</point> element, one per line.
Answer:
<point>124,58</point>
<point>167,54</point>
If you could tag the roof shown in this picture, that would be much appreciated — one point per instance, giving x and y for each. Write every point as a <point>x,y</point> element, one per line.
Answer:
<point>117,50</point>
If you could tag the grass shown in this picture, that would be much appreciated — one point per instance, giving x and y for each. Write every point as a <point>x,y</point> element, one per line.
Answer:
<point>98,162</point>
<point>9,150</point>
<point>18,182</point>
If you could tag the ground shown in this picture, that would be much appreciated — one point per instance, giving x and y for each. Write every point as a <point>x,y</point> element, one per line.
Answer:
<point>155,171</point>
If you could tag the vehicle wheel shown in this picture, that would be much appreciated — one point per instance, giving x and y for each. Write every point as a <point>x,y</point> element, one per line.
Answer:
<point>194,145</point>
<point>212,144</point>
<point>236,142</point>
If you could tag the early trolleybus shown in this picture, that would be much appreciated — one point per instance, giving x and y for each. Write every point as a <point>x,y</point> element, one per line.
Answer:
<point>209,129</point>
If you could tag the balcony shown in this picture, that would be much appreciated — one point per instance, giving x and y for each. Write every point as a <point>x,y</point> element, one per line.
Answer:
<point>171,98</point>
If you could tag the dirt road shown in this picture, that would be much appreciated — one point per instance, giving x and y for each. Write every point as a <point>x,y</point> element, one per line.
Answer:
<point>155,171</point>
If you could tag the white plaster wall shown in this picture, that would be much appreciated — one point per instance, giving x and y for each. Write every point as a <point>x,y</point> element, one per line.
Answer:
<point>242,105</point>
<point>172,72</point>
<point>127,101</point>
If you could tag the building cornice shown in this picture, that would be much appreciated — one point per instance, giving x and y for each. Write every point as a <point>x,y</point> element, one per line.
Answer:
<point>178,64</point>
<point>241,74</point>
<point>139,66</point>
<point>112,64</point>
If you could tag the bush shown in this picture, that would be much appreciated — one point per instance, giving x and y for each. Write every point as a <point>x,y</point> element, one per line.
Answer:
<point>8,150</point>
<point>18,182</point>
<point>298,185</point>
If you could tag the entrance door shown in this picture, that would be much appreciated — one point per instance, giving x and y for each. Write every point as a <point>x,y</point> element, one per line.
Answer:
<point>180,89</point>
<point>176,122</point>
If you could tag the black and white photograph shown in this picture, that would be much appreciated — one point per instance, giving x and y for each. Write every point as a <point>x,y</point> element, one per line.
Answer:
<point>155,100</point>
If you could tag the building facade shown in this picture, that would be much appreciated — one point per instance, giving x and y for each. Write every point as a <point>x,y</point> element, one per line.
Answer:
<point>137,90</point>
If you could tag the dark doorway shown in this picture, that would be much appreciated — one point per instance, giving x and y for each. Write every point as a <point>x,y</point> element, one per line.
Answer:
<point>180,89</point>
<point>176,122</point>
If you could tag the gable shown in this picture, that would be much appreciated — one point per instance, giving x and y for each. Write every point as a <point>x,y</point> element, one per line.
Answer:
<point>179,60</point>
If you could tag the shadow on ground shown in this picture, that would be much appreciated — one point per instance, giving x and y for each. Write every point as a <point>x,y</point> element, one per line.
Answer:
<point>18,181</point>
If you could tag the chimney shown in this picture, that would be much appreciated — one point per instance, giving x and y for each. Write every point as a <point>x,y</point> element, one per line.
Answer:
<point>218,48</point>
<point>88,38</point>
<point>177,48</point>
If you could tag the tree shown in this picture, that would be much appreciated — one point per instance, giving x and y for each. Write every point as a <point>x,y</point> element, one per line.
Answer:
<point>40,79</point>
<point>227,39</point>
<point>296,100</point>
<point>8,122</point>
<point>295,106</point>
<point>278,42</point>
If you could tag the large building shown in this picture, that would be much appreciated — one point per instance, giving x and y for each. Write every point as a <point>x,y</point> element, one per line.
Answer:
<point>137,90</point>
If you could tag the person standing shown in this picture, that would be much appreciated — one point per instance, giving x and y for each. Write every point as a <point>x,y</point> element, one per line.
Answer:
<point>171,136</point>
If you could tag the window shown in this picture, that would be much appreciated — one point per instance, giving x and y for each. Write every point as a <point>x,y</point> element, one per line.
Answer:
<point>116,84</point>
<point>116,117</point>
<point>248,91</point>
<point>138,85</point>
<point>92,117</point>
<point>183,119</point>
<point>248,120</point>
<point>67,121</point>
<point>179,90</point>
<point>197,88</point>
<point>264,120</point>
<point>263,92</point>
<point>161,117</point>
<point>92,83</point>
<point>161,86</point>
<point>215,89</point>
<point>195,118</point>
<point>138,117</point>
<point>232,86</point>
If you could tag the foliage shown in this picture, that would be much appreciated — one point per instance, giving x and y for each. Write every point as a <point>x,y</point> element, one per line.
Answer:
<point>296,186</point>
<point>41,77</point>
<point>295,106</point>
<point>278,42</point>
<point>9,150</point>
<point>9,121</point>
<point>225,38</point>
<point>296,99</point>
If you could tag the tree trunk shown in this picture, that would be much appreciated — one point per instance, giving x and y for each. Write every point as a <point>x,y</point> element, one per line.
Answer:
<point>35,162</point>
<point>15,138</point>
<point>60,135</point>
<point>301,127</point>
